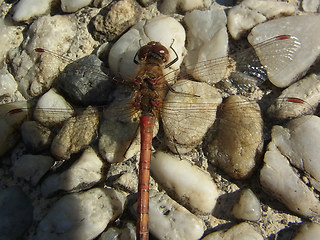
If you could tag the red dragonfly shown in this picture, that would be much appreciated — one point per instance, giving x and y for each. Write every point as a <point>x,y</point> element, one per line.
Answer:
<point>150,89</point>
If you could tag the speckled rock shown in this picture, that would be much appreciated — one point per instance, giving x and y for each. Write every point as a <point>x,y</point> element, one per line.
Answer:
<point>34,71</point>
<point>76,134</point>
<point>113,20</point>
<point>237,144</point>
<point>169,220</point>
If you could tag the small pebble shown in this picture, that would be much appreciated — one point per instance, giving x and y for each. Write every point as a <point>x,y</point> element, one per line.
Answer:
<point>248,207</point>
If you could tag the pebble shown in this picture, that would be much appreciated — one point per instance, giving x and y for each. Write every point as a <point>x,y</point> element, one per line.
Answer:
<point>162,29</point>
<point>238,142</point>
<point>308,231</point>
<point>82,84</point>
<point>242,231</point>
<point>306,89</point>
<point>172,6</point>
<point>310,5</point>
<point>248,207</point>
<point>169,220</point>
<point>283,69</point>
<point>82,174</point>
<point>81,216</point>
<point>206,45</point>
<point>185,117</point>
<point>76,134</point>
<point>115,19</point>
<point>33,71</point>
<point>296,142</point>
<point>250,13</point>
<point>32,167</point>
<point>52,109</point>
<point>35,136</point>
<point>27,9</point>
<point>70,6</point>
<point>185,182</point>
<point>16,213</point>
<point>9,124</point>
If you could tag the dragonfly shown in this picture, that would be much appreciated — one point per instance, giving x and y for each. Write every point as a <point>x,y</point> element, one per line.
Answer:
<point>150,88</point>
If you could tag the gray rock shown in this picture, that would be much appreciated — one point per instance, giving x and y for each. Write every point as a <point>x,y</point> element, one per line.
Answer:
<point>16,213</point>
<point>84,82</point>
